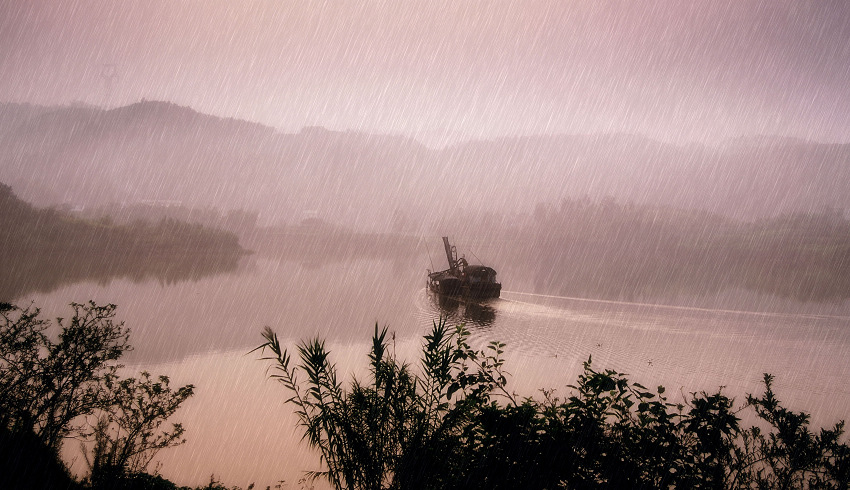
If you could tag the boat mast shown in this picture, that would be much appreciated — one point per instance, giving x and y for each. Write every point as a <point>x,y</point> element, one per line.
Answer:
<point>451,254</point>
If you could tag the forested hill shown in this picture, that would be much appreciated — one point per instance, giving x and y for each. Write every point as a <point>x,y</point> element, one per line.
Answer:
<point>156,151</point>
<point>44,248</point>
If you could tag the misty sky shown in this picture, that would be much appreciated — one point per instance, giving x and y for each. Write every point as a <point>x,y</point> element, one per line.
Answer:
<point>673,70</point>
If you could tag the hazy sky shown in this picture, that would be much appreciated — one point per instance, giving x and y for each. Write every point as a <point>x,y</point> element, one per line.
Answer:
<point>674,70</point>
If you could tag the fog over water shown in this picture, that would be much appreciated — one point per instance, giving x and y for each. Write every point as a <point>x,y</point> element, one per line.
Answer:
<point>661,185</point>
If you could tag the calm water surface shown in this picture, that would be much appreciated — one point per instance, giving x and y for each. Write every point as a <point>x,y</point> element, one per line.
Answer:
<point>238,428</point>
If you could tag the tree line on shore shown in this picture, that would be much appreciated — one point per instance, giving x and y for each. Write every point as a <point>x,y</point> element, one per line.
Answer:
<point>620,251</point>
<point>43,248</point>
<point>598,249</point>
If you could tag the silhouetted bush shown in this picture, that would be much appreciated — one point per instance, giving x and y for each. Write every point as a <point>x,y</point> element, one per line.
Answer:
<point>50,390</point>
<point>447,428</point>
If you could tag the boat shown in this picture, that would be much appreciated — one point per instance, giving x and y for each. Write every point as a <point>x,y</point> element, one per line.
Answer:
<point>462,280</point>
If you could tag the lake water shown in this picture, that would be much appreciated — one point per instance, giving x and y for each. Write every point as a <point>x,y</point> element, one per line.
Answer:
<point>200,331</point>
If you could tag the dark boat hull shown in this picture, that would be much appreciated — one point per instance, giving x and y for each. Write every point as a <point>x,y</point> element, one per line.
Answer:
<point>454,287</point>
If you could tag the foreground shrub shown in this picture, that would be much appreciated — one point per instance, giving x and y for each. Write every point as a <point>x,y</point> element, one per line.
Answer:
<point>453,424</point>
<point>51,390</point>
<point>46,385</point>
<point>128,434</point>
<point>400,429</point>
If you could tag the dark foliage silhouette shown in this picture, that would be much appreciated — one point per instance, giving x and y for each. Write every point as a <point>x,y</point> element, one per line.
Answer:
<point>452,423</point>
<point>52,390</point>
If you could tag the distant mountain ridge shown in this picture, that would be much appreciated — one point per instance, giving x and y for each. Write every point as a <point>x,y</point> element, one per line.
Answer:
<point>159,151</point>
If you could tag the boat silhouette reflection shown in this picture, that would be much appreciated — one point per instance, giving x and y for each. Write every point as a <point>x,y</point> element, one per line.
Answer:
<point>458,310</point>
